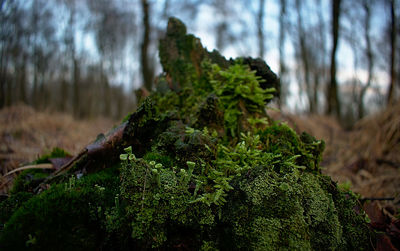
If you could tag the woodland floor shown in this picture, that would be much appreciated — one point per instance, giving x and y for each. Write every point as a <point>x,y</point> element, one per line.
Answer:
<point>368,156</point>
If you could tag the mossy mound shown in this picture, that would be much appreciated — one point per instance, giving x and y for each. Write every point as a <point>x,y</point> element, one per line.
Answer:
<point>203,168</point>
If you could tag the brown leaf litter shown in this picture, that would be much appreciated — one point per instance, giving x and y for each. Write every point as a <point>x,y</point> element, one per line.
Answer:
<point>25,134</point>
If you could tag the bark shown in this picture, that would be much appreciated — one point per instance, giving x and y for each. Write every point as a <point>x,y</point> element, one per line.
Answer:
<point>22,81</point>
<point>282,64</point>
<point>332,94</point>
<point>147,71</point>
<point>393,27</point>
<point>63,95</point>
<point>75,67</point>
<point>369,56</point>
<point>305,57</point>
<point>260,29</point>
<point>2,76</point>
<point>75,83</point>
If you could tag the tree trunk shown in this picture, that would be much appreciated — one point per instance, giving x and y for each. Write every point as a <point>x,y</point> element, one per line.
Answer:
<point>75,83</point>
<point>332,94</point>
<point>315,92</point>
<point>147,71</point>
<point>305,58</point>
<point>35,94</point>
<point>3,72</point>
<point>282,64</point>
<point>260,29</point>
<point>64,91</point>
<point>22,81</point>
<point>369,55</point>
<point>391,94</point>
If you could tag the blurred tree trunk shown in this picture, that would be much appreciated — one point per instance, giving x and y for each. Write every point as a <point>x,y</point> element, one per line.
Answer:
<point>107,94</point>
<point>260,29</point>
<point>3,72</point>
<point>9,91</point>
<point>35,94</point>
<point>22,80</point>
<point>332,93</point>
<point>64,91</point>
<point>75,85</point>
<point>393,30</point>
<point>165,13</point>
<point>35,54</point>
<point>305,57</point>
<point>282,65</point>
<point>368,52</point>
<point>147,70</point>
<point>75,71</point>
<point>319,56</point>
<point>75,76</point>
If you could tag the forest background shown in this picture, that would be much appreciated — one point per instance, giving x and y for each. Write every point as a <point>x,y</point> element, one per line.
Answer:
<point>96,58</point>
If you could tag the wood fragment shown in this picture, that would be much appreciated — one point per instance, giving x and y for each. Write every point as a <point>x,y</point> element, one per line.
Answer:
<point>39,166</point>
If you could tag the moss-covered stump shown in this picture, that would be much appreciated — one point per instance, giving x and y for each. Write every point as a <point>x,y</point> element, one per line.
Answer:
<point>200,167</point>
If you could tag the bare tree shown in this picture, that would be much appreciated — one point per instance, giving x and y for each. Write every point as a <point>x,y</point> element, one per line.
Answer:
<point>147,69</point>
<point>333,103</point>
<point>75,65</point>
<point>305,56</point>
<point>260,28</point>
<point>393,43</point>
<point>281,46</point>
<point>366,4</point>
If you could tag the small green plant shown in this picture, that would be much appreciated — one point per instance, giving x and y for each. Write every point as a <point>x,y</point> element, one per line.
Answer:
<point>128,155</point>
<point>345,186</point>
<point>240,93</point>
<point>31,241</point>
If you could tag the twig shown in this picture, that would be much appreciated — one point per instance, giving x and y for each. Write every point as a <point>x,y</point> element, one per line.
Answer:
<point>378,199</point>
<point>39,166</point>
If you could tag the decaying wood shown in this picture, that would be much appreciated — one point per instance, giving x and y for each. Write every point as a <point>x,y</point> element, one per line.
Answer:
<point>103,147</point>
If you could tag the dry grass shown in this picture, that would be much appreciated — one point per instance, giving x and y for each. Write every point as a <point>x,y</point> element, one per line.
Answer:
<point>368,156</point>
<point>26,134</point>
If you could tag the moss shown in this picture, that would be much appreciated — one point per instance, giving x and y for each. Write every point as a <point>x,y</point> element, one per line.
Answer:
<point>55,153</point>
<point>27,180</point>
<point>280,138</point>
<point>68,214</point>
<point>9,205</point>
<point>158,205</point>
<point>353,219</point>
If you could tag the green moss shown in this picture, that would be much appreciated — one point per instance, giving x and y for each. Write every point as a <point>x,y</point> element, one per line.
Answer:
<point>9,205</point>
<point>70,214</point>
<point>280,138</point>
<point>158,204</point>
<point>27,180</point>
<point>55,153</point>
